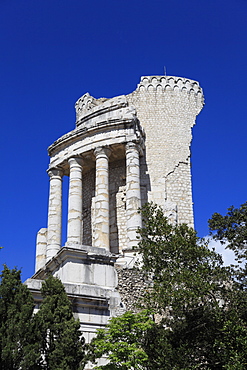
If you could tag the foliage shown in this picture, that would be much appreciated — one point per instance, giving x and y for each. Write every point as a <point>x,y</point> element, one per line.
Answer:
<point>203,308</point>
<point>200,310</point>
<point>185,273</point>
<point>190,291</point>
<point>16,309</point>
<point>232,341</point>
<point>50,339</point>
<point>232,229</point>
<point>121,342</point>
<point>57,331</point>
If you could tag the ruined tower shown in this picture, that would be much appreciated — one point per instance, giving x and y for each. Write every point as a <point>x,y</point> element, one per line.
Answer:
<point>123,152</point>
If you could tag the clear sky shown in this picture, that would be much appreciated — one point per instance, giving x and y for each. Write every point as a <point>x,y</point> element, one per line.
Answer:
<point>53,51</point>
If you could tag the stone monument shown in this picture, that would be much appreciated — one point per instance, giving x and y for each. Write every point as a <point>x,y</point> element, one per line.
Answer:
<point>123,152</point>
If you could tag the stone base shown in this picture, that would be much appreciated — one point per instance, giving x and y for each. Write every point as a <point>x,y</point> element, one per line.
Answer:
<point>90,280</point>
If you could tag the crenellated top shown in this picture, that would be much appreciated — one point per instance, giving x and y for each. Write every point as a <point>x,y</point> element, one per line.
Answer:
<point>85,104</point>
<point>170,83</point>
<point>91,111</point>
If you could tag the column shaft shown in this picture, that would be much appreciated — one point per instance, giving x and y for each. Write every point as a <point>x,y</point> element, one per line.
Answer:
<point>101,225</point>
<point>74,227</point>
<point>133,193</point>
<point>54,229</point>
<point>41,246</point>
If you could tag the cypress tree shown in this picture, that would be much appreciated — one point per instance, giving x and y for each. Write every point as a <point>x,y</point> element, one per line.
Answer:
<point>16,310</point>
<point>59,335</point>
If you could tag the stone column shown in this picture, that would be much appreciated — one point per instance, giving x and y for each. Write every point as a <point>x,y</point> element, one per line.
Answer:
<point>74,228</point>
<point>101,225</point>
<point>41,245</point>
<point>54,230</point>
<point>133,193</point>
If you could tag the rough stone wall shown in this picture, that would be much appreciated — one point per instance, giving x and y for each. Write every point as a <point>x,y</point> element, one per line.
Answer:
<point>178,190</point>
<point>166,108</point>
<point>132,285</point>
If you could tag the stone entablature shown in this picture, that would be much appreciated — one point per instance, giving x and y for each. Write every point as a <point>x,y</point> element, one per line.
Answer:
<point>109,123</point>
<point>111,111</point>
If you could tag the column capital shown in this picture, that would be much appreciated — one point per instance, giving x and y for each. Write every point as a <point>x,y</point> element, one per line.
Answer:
<point>104,151</point>
<point>131,145</point>
<point>55,172</point>
<point>75,161</point>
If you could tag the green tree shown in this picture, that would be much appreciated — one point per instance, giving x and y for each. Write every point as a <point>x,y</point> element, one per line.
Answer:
<point>231,229</point>
<point>199,309</point>
<point>190,290</point>
<point>122,341</point>
<point>16,310</point>
<point>186,274</point>
<point>58,333</point>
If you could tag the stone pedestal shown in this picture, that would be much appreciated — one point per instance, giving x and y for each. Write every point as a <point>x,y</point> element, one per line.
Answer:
<point>90,281</point>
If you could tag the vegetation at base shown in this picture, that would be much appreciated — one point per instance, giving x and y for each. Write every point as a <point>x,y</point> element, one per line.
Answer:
<point>16,310</point>
<point>58,333</point>
<point>192,316</point>
<point>50,339</point>
<point>198,308</point>
<point>120,341</point>
<point>231,230</point>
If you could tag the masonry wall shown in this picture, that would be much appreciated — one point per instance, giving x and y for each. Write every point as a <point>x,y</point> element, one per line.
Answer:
<point>179,192</point>
<point>166,108</point>
<point>132,286</point>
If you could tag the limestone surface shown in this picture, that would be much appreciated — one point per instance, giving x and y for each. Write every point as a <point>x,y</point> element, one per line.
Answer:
<point>123,152</point>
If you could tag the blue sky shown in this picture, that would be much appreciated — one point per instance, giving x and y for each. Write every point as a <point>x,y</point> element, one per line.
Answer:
<point>53,51</point>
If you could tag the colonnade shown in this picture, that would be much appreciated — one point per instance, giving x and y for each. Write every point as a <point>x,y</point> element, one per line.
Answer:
<point>101,233</point>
